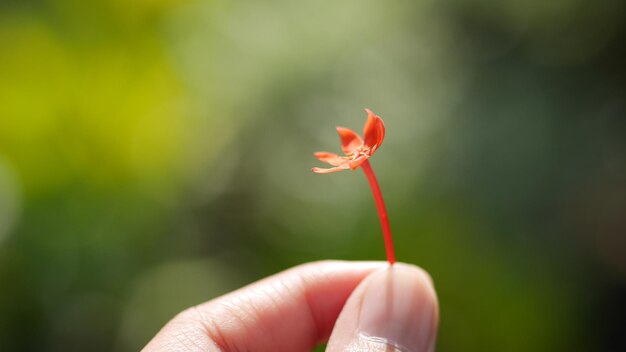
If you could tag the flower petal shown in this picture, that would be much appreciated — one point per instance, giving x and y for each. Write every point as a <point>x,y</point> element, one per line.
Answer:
<point>373,131</point>
<point>331,158</point>
<point>380,125</point>
<point>350,140</point>
<point>319,170</point>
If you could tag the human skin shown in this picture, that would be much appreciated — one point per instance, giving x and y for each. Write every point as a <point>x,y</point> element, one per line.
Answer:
<point>354,306</point>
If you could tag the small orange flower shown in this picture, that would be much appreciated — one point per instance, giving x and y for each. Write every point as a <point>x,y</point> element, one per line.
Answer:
<point>356,150</point>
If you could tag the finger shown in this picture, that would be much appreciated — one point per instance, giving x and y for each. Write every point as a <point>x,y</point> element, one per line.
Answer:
<point>291,311</point>
<point>394,309</point>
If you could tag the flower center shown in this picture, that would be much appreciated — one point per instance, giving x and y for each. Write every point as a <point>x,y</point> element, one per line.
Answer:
<point>360,151</point>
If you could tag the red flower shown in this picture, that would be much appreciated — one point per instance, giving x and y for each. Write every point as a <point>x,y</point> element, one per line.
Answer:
<point>356,150</point>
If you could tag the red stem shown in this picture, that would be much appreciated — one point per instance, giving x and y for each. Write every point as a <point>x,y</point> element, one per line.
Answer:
<point>382,212</point>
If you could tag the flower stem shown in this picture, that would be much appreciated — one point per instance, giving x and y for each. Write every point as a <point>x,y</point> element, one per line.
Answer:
<point>382,212</point>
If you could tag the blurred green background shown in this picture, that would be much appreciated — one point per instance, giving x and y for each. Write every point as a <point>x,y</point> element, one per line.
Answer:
<point>155,154</point>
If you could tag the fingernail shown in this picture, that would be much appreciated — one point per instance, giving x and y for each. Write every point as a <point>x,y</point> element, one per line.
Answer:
<point>400,309</point>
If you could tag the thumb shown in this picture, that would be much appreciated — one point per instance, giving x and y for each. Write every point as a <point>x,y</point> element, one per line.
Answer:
<point>393,309</point>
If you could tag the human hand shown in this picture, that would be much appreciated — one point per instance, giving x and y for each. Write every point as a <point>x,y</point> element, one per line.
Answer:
<point>356,306</point>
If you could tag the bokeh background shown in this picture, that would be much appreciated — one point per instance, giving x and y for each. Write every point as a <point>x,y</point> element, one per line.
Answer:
<point>155,154</point>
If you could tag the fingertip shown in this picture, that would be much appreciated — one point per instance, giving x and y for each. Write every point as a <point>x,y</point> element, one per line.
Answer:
<point>418,273</point>
<point>393,308</point>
